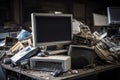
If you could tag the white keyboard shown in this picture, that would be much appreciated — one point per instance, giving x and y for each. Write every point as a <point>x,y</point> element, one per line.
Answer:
<point>57,51</point>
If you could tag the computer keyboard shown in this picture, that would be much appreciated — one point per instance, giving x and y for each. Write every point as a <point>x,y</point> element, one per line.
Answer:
<point>54,52</point>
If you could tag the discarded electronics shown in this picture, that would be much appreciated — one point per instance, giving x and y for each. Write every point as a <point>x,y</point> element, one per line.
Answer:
<point>25,53</point>
<point>81,56</point>
<point>84,37</point>
<point>51,63</point>
<point>80,40</point>
<point>20,45</point>
<point>102,50</point>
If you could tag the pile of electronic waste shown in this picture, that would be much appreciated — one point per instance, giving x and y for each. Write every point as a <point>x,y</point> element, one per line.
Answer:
<point>105,47</point>
<point>84,37</point>
<point>21,51</point>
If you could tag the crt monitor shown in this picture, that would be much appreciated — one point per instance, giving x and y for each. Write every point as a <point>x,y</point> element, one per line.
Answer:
<point>51,29</point>
<point>113,15</point>
<point>100,20</point>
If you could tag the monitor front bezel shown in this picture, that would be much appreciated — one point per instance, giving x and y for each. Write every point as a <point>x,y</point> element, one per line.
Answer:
<point>38,44</point>
<point>110,19</point>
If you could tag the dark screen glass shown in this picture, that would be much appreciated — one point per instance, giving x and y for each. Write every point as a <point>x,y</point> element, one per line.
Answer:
<point>53,28</point>
<point>114,15</point>
<point>81,57</point>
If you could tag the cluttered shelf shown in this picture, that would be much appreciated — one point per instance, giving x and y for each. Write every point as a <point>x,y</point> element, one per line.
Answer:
<point>71,74</point>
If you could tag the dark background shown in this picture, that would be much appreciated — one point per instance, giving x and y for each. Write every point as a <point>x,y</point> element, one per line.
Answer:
<point>18,11</point>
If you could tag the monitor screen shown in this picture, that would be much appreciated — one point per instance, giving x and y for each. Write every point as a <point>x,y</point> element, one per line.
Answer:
<point>113,15</point>
<point>51,29</point>
<point>100,20</point>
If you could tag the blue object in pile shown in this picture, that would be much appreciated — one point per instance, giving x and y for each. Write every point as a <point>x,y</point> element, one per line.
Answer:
<point>23,34</point>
